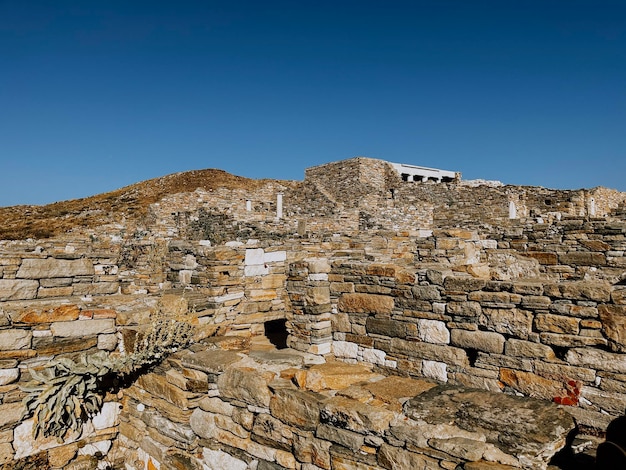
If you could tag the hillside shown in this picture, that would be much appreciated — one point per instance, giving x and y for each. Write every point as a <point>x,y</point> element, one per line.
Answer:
<point>130,203</point>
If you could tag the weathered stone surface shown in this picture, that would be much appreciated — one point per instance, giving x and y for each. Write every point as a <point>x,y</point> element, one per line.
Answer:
<point>83,327</point>
<point>613,318</point>
<point>319,295</point>
<point>345,413</point>
<point>220,460</point>
<point>8,376</point>
<point>433,331</point>
<point>463,284</point>
<point>334,376</point>
<point>15,339</point>
<point>395,390</point>
<point>426,292</point>
<point>392,458</point>
<point>10,413</point>
<point>481,340</point>
<point>516,347</point>
<point>508,321</point>
<point>349,439</point>
<point>68,312</point>
<point>32,268</point>
<point>13,289</point>
<point>556,324</point>
<point>386,327</point>
<point>580,290</point>
<point>246,384</point>
<point>532,385</point>
<point>428,351</point>
<point>365,303</point>
<point>157,385</point>
<point>466,309</point>
<point>533,433</point>
<point>583,258</point>
<point>299,408</point>
<point>212,361</point>
<point>272,432</point>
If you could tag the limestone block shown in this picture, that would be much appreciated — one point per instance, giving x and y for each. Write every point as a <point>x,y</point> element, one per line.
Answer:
<point>216,405</point>
<point>481,340</point>
<point>312,451</point>
<point>386,327</point>
<point>532,384</point>
<point>433,331</point>
<point>66,312</point>
<point>374,356</point>
<point>516,347</point>
<point>274,256</point>
<point>298,408</point>
<point>220,460</point>
<point>318,265</point>
<point>428,351</point>
<point>107,342</point>
<point>8,376</point>
<point>463,284</point>
<point>345,349</point>
<point>535,430</point>
<point>107,417</point>
<point>6,453</point>
<point>597,359</point>
<point>319,295</point>
<point>83,327</point>
<point>509,321</point>
<point>32,268</point>
<point>254,256</point>
<point>349,439</point>
<point>466,309</point>
<point>247,385</point>
<point>24,444</point>
<point>15,339</point>
<point>345,413</point>
<point>435,370</point>
<point>10,413</point>
<point>426,292</point>
<point>272,432</point>
<point>334,376</point>
<point>15,289</point>
<point>556,324</point>
<point>365,303</point>
<point>583,258</point>
<point>157,385</point>
<point>597,291</point>
<point>392,458</point>
<point>613,318</point>
<point>256,270</point>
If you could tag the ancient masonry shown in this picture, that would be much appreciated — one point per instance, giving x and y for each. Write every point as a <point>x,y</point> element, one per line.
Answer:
<point>373,316</point>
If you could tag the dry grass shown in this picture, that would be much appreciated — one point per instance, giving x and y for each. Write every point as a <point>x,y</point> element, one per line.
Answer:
<point>131,202</point>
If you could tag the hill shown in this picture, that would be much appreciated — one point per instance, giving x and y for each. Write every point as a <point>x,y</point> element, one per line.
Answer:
<point>128,203</point>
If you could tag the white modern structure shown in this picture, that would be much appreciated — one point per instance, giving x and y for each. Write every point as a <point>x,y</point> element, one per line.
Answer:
<point>421,173</point>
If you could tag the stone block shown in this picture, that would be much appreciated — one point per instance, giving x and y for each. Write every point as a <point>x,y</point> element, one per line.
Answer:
<point>433,331</point>
<point>532,385</point>
<point>15,289</point>
<point>392,458</point>
<point>613,318</point>
<point>556,324</point>
<point>14,339</point>
<point>466,309</point>
<point>481,340</point>
<point>386,327</point>
<point>463,284</point>
<point>435,370</point>
<point>8,376</point>
<point>597,359</point>
<point>516,347</point>
<point>317,295</point>
<point>274,256</point>
<point>83,327</point>
<point>365,303</point>
<point>247,385</point>
<point>348,439</point>
<point>583,258</point>
<point>254,256</point>
<point>345,349</point>
<point>34,268</point>
<point>426,292</point>
<point>68,312</point>
<point>428,351</point>
<point>535,429</point>
<point>509,321</point>
<point>345,413</point>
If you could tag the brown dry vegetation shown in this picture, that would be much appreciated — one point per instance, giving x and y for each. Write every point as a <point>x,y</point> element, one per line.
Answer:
<point>131,202</point>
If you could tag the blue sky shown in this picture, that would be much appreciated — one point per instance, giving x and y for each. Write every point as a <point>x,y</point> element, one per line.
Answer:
<point>96,95</point>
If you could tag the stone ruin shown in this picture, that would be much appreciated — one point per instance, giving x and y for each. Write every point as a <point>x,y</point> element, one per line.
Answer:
<point>358,319</point>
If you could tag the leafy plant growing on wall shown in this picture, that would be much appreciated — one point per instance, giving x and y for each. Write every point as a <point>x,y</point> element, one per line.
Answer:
<point>66,394</point>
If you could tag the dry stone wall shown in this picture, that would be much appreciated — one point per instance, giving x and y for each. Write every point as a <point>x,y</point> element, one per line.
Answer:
<point>426,284</point>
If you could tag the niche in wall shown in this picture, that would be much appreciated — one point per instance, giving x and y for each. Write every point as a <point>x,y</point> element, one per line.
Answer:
<point>276,332</point>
